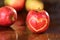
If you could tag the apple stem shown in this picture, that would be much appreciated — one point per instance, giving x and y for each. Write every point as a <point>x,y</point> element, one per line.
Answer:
<point>38,9</point>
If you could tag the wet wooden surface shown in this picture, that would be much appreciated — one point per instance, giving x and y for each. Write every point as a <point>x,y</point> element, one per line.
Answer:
<point>21,32</point>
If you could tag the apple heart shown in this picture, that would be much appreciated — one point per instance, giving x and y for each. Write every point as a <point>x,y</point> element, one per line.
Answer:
<point>37,21</point>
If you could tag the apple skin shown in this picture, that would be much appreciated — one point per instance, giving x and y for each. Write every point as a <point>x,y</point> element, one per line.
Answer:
<point>37,21</point>
<point>17,4</point>
<point>8,16</point>
<point>34,5</point>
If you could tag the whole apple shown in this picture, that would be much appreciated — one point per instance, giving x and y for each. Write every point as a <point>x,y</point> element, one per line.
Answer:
<point>34,5</point>
<point>8,16</point>
<point>37,21</point>
<point>17,4</point>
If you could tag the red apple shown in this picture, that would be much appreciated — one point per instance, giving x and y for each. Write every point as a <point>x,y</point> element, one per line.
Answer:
<point>8,16</point>
<point>17,4</point>
<point>37,21</point>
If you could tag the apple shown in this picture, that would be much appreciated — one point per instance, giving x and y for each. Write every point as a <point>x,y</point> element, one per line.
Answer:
<point>34,5</point>
<point>37,21</point>
<point>8,16</point>
<point>17,4</point>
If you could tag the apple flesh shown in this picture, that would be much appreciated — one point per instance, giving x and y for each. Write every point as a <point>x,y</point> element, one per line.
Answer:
<point>34,5</point>
<point>8,16</point>
<point>37,21</point>
<point>17,4</point>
